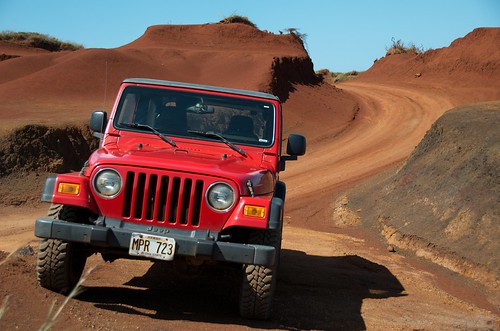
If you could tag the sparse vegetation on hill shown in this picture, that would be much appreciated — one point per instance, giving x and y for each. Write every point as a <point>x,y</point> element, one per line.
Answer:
<point>295,32</point>
<point>336,77</point>
<point>399,47</point>
<point>237,19</point>
<point>38,40</point>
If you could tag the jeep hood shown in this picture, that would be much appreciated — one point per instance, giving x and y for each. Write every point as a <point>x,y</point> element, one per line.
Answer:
<point>222,163</point>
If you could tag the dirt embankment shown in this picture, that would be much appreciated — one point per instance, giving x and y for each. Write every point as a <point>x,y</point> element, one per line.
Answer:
<point>443,202</point>
<point>30,153</point>
<point>47,149</point>
<point>466,71</point>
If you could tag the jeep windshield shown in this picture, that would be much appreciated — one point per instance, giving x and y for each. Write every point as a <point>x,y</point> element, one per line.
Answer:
<point>238,120</point>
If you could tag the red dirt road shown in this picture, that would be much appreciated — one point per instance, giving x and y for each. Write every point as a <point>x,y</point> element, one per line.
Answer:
<point>344,281</point>
<point>389,123</point>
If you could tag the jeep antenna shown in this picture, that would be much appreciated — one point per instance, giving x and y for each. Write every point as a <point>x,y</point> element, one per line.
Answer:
<point>105,84</point>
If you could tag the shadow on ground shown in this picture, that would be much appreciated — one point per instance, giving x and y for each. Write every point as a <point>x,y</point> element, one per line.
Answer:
<point>313,292</point>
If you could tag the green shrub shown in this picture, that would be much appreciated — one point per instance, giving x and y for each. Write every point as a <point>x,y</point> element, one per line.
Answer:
<point>336,77</point>
<point>38,40</point>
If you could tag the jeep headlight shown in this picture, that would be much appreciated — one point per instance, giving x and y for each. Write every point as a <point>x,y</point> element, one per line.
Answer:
<point>220,196</point>
<point>107,183</point>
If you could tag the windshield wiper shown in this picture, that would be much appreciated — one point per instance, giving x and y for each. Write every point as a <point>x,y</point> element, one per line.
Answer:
<point>211,134</point>
<point>150,128</point>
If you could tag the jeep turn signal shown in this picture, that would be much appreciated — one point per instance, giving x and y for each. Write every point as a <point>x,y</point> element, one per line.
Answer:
<point>68,188</point>
<point>254,211</point>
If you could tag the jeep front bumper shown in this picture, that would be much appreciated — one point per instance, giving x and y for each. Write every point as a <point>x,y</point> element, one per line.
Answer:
<point>116,235</point>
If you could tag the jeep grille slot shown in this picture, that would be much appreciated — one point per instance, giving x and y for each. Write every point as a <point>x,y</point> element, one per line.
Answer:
<point>161,198</point>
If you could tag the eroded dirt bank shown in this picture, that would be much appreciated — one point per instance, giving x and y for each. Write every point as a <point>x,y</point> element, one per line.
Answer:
<point>450,189</point>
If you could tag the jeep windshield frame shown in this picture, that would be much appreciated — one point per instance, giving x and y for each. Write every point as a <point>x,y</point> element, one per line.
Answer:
<point>240,119</point>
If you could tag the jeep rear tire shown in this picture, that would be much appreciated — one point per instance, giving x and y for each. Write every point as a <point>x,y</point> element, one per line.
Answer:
<point>59,263</point>
<point>259,282</point>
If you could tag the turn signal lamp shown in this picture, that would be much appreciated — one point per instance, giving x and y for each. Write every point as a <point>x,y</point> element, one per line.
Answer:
<point>68,188</point>
<point>254,211</point>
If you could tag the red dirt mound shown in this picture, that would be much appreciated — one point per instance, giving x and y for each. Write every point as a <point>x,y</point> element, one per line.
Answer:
<point>218,37</point>
<point>470,66</point>
<point>9,49</point>
<point>41,87</point>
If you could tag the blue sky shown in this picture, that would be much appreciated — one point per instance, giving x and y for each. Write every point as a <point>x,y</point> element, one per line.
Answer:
<point>340,35</point>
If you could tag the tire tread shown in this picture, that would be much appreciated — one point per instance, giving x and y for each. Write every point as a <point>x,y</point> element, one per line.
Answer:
<point>259,282</point>
<point>58,265</point>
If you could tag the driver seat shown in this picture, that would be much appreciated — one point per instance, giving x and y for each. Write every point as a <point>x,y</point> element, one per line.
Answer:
<point>241,126</point>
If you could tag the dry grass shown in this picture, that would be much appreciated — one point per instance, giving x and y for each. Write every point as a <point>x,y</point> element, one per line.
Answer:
<point>5,306</point>
<point>237,19</point>
<point>5,303</point>
<point>52,316</point>
<point>299,35</point>
<point>7,257</point>
<point>38,40</point>
<point>336,77</point>
<point>399,47</point>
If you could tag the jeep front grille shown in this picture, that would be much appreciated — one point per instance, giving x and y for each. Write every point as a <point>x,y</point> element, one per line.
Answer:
<point>175,200</point>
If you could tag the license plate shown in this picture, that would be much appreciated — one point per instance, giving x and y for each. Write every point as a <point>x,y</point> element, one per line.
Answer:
<point>150,246</point>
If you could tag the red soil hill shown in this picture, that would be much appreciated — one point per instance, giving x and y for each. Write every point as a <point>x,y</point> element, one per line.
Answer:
<point>469,68</point>
<point>42,86</point>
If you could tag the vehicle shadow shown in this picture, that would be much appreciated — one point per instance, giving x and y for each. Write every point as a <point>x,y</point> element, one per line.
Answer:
<point>313,292</point>
<point>326,293</point>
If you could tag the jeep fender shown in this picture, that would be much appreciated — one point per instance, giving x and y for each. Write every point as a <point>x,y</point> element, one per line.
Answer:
<point>70,189</point>
<point>280,190</point>
<point>277,207</point>
<point>275,214</point>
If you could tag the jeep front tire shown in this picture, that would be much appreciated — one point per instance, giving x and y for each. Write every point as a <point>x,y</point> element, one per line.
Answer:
<point>259,282</point>
<point>59,263</point>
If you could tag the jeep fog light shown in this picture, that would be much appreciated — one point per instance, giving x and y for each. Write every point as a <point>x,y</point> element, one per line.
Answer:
<point>107,183</point>
<point>220,196</point>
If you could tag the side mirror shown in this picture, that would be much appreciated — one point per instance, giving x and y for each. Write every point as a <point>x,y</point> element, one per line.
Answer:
<point>296,146</point>
<point>98,121</point>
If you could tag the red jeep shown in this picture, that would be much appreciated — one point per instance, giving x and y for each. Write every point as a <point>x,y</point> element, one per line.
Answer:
<point>184,173</point>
